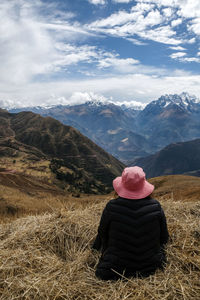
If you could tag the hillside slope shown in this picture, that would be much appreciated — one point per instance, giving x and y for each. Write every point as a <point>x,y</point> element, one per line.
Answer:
<point>32,189</point>
<point>176,187</point>
<point>176,158</point>
<point>73,157</point>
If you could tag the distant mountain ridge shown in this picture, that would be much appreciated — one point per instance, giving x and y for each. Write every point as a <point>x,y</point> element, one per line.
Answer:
<point>183,100</point>
<point>93,102</point>
<point>129,133</point>
<point>108,125</point>
<point>74,158</point>
<point>177,158</point>
<point>170,119</point>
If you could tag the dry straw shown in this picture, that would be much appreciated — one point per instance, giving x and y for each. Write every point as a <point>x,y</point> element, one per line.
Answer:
<point>49,257</point>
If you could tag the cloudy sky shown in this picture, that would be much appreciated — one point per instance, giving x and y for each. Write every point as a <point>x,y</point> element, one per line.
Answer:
<point>60,51</point>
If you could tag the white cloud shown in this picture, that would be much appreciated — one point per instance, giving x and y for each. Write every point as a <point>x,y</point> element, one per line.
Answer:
<point>82,97</point>
<point>190,59</point>
<point>132,103</point>
<point>125,65</point>
<point>181,56</point>
<point>198,53</point>
<point>14,103</point>
<point>153,18</point>
<point>34,45</point>
<point>97,2</point>
<point>136,42</point>
<point>159,2</point>
<point>177,48</point>
<point>75,54</point>
<point>189,8</point>
<point>143,7</point>
<point>177,55</point>
<point>121,1</point>
<point>143,20</point>
<point>120,88</point>
<point>163,34</point>
<point>75,99</point>
<point>28,39</point>
<point>191,41</point>
<point>90,54</point>
<point>168,12</point>
<point>135,15</point>
<point>186,7</point>
<point>116,19</point>
<point>176,22</point>
<point>195,26</point>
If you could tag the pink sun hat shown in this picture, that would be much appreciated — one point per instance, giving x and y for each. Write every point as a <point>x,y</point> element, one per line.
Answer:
<point>133,184</point>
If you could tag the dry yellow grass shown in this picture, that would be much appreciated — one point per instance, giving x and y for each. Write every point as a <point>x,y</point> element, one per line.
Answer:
<point>45,243</point>
<point>49,257</point>
<point>15,202</point>
<point>21,164</point>
<point>177,187</point>
<point>24,190</point>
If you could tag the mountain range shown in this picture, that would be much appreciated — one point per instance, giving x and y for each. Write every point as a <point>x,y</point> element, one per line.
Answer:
<point>172,118</point>
<point>129,133</point>
<point>108,125</point>
<point>72,157</point>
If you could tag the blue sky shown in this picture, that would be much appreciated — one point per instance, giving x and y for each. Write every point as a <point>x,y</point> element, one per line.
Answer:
<point>66,51</point>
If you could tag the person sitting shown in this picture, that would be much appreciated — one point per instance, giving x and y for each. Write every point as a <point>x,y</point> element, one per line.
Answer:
<point>132,233</point>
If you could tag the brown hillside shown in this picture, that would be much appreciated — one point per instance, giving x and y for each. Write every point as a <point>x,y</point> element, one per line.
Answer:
<point>177,187</point>
<point>75,159</point>
<point>30,189</point>
<point>176,158</point>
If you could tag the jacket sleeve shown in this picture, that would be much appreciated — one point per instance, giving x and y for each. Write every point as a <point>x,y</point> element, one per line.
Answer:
<point>102,235</point>
<point>164,235</point>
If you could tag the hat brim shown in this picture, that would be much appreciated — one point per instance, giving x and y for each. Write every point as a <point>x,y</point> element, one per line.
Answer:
<point>123,192</point>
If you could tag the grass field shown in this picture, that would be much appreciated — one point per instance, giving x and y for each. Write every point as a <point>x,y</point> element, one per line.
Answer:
<point>46,236</point>
<point>49,257</point>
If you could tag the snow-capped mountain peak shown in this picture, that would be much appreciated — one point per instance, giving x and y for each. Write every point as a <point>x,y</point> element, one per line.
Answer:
<point>183,100</point>
<point>171,104</point>
<point>96,103</point>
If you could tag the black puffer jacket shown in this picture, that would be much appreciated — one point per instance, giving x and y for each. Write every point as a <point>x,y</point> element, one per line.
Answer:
<point>132,235</point>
